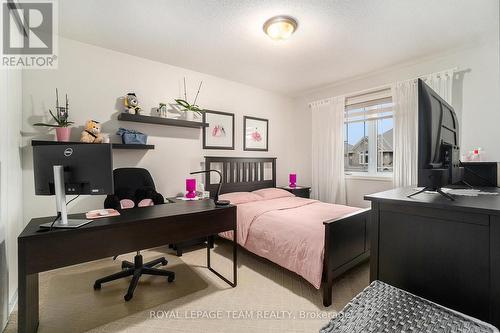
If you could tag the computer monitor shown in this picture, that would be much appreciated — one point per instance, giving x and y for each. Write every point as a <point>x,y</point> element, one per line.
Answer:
<point>73,168</point>
<point>438,141</point>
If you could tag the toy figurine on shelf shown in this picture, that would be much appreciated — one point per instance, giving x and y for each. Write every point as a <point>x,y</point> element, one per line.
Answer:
<point>132,104</point>
<point>92,132</point>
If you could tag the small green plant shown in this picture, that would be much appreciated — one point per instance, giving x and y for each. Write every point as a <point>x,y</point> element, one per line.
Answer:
<point>60,121</point>
<point>186,105</point>
<point>61,116</point>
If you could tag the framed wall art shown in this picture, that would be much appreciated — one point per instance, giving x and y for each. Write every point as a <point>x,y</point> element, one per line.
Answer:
<point>219,134</point>
<point>255,135</point>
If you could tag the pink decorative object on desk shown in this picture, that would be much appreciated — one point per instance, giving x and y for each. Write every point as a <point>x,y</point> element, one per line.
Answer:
<point>191,188</point>
<point>97,214</point>
<point>293,179</point>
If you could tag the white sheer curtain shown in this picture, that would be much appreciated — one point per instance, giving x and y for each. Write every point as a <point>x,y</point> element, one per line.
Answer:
<point>405,99</point>
<point>328,180</point>
<point>442,83</point>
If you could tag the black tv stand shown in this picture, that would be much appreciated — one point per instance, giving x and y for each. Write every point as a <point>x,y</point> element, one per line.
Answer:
<point>445,251</point>
<point>438,190</point>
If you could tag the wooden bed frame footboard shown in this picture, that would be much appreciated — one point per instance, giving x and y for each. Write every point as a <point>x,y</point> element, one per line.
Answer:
<point>347,243</point>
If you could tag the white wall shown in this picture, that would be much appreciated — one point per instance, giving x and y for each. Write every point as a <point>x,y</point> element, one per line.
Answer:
<point>95,77</point>
<point>357,187</point>
<point>11,213</point>
<point>476,98</point>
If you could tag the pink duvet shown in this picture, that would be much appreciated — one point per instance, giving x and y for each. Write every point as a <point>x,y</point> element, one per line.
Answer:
<point>288,231</point>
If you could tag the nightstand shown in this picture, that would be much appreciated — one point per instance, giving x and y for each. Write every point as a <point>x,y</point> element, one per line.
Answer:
<point>299,191</point>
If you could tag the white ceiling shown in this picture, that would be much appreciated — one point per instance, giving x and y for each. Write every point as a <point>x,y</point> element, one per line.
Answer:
<point>336,39</point>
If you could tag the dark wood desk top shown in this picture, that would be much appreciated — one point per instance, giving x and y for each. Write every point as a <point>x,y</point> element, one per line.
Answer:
<point>145,215</point>
<point>485,204</point>
<point>134,229</point>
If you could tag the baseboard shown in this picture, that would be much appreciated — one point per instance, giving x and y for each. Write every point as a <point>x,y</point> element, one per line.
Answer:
<point>13,302</point>
<point>12,306</point>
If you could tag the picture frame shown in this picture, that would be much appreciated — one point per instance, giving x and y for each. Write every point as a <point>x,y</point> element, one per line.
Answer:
<point>219,134</point>
<point>255,134</point>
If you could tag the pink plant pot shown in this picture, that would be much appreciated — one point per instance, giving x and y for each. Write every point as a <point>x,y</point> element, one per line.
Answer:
<point>63,133</point>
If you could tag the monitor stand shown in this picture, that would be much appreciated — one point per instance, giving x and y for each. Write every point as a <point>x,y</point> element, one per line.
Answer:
<point>438,190</point>
<point>62,221</point>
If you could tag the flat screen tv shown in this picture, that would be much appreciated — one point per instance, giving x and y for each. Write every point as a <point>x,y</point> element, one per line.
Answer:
<point>438,141</point>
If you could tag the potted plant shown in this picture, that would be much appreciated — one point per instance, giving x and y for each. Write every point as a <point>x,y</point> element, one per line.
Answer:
<point>62,124</point>
<point>190,109</point>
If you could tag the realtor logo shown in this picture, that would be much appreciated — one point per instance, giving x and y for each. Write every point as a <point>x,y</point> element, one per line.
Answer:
<point>29,34</point>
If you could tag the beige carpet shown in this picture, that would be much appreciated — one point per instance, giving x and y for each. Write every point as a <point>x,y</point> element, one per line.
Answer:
<point>268,298</point>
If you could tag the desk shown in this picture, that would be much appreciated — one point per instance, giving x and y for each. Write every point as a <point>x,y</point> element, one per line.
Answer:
<point>134,229</point>
<point>445,251</point>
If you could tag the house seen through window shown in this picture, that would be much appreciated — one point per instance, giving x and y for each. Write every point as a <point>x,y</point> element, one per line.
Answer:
<point>368,135</point>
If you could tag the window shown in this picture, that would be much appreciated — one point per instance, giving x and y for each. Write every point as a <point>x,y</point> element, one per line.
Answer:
<point>368,141</point>
<point>363,158</point>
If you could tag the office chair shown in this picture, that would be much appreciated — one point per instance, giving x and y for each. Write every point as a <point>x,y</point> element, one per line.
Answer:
<point>130,183</point>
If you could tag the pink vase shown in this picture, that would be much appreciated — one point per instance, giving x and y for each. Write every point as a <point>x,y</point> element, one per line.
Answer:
<point>63,133</point>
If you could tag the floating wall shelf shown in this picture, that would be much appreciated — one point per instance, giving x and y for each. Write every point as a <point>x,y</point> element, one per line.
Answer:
<point>113,145</point>
<point>160,121</point>
<point>131,146</point>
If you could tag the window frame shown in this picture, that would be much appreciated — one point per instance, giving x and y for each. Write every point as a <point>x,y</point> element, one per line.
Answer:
<point>365,100</point>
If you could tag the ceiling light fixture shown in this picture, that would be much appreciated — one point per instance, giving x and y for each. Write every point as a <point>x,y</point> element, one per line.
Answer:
<point>280,27</point>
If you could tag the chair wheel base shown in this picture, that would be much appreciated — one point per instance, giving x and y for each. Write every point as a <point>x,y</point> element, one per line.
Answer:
<point>136,270</point>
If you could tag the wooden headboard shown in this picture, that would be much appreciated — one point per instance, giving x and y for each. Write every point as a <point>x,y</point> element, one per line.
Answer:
<point>240,174</point>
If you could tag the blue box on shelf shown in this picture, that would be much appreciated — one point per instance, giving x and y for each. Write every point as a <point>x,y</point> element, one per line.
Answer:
<point>132,137</point>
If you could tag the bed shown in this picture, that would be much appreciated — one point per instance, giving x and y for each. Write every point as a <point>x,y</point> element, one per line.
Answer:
<point>316,240</point>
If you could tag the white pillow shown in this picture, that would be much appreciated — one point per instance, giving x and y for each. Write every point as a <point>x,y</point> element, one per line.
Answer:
<point>240,197</point>
<point>273,193</point>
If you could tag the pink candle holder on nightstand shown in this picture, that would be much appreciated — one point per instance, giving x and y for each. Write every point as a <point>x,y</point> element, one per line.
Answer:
<point>191,188</point>
<point>293,180</point>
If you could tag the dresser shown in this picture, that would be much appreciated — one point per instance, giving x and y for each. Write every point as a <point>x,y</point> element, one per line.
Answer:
<point>445,251</point>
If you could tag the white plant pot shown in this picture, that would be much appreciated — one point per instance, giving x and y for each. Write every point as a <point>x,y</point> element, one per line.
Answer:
<point>190,115</point>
